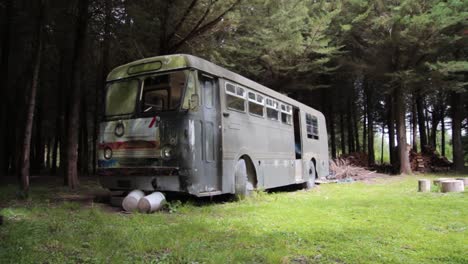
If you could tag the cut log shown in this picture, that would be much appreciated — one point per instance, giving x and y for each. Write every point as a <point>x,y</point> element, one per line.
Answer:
<point>424,185</point>
<point>464,180</point>
<point>439,180</point>
<point>452,186</point>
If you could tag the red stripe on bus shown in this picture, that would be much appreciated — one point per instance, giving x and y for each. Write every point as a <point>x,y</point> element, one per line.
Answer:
<point>153,121</point>
<point>139,144</point>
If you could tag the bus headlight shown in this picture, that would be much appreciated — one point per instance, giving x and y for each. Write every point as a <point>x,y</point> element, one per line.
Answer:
<point>166,153</point>
<point>108,153</point>
<point>119,130</point>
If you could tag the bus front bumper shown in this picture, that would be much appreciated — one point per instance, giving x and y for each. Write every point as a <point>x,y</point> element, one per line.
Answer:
<point>145,179</point>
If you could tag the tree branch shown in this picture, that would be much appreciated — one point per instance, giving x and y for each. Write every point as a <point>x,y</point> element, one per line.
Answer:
<point>182,20</point>
<point>199,30</point>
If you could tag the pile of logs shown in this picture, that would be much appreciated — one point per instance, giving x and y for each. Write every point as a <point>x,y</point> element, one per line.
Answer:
<point>429,161</point>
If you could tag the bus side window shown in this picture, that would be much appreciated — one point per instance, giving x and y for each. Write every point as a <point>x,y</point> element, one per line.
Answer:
<point>207,85</point>
<point>312,126</point>
<point>272,108</point>
<point>286,114</point>
<point>255,104</point>
<point>235,97</point>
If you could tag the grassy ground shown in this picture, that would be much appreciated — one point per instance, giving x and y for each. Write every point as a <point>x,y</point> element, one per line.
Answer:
<point>386,221</point>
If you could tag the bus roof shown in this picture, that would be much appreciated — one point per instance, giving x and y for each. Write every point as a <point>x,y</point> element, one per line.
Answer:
<point>181,61</point>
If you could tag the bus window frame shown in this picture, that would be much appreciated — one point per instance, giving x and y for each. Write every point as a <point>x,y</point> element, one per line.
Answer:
<point>288,112</point>
<point>134,114</point>
<point>255,101</point>
<point>236,86</point>
<point>277,108</point>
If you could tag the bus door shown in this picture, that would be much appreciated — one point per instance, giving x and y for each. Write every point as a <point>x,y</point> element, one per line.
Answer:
<point>211,131</point>
<point>298,148</point>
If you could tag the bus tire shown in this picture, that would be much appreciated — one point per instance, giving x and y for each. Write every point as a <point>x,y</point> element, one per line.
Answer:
<point>243,188</point>
<point>310,183</point>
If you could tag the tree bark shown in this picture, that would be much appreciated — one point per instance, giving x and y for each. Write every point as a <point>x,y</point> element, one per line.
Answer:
<point>74,113</point>
<point>382,144</point>
<point>356,130</point>
<point>4,63</point>
<point>349,126</point>
<point>24,162</point>
<point>105,49</point>
<point>414,124</point>
<point>331,122</point>
<point>342,133</point>
<point>442,142</point>
<point>370,123</point>
<point>421,123</point>
<point>405,167</point>
<point>391,131</point>
<point>457,118</point>
<point>364,128</point>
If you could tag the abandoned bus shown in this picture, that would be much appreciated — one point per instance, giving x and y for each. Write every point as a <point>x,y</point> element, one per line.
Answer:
<point>180,123</point>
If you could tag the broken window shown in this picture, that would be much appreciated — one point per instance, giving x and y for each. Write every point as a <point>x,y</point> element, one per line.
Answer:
<point>286,114</point>
<point>255,104</point>
<point>235,97</point>
<point>312,126</point>
<point>272,109</point>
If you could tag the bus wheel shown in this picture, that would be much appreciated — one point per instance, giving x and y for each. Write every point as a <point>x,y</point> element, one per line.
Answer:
<point>243,187</point>
<point>310,183</point>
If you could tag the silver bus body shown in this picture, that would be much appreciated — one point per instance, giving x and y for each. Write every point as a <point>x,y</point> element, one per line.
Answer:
<point>196,149</point>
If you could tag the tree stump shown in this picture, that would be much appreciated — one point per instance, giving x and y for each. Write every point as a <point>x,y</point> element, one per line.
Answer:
<point>1,220</point>
<point>452,186</point>
<point>424,185</point>
<point>437,181</point>
<point>464,180</point>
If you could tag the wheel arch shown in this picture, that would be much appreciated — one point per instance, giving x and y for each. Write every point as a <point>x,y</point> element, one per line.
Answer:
<point>251,169</point>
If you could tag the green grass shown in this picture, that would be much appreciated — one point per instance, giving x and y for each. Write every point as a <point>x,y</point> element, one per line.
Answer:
<point>387,221</point>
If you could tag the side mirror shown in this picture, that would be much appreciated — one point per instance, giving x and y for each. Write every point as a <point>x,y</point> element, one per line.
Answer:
<point>194,102</point>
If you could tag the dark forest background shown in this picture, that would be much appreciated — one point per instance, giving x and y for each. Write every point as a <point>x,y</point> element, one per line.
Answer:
<point>374,68</point>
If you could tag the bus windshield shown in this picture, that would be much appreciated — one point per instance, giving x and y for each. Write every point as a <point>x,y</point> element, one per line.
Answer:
<point>121,97</point>
<point>162,92</point>
<point>158,93</point>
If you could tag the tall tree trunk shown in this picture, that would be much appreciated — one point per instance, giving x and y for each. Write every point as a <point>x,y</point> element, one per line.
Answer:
<point>331,122</point>
<point>370,123</point>
<point>391,131</point>
<point>38,161</point>
<point>24,161</point>
<point>84,135</point>
<point>405,167</point>
<point>5,56</point>
<point>382,144</point>
<point>48,152</point>
<point>356,130</point>
<point>442,143</point>
<point>414,124</point>
<point>457,118</point>
<point>426,119</point>
<point>101,78</point>
<point>435,124</point>
<point>421,121</point>
<point>342,133</point>
<point>364,128</point>
<point>349,126</point>
<point>74,114</point>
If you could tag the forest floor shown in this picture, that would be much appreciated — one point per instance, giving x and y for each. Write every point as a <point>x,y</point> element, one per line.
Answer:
<point>384,220</point>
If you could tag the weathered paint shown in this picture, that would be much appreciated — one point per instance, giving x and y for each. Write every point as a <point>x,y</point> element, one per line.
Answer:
<point>269,144</point>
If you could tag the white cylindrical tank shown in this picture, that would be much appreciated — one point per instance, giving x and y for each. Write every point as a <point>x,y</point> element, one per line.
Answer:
<point>130,202</point>
<point>151,203</point>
